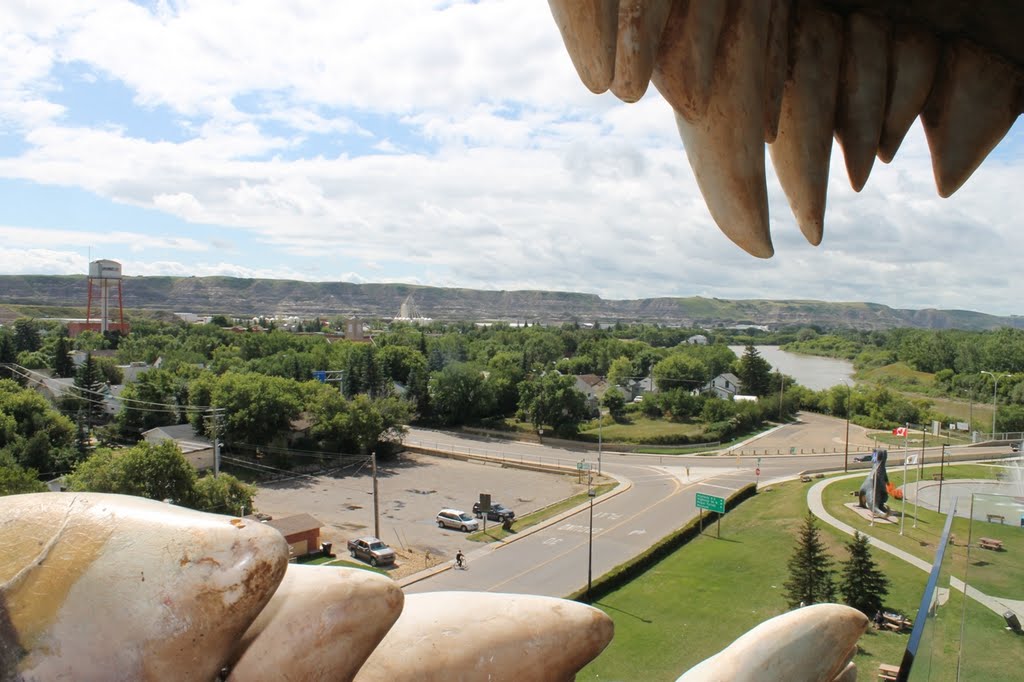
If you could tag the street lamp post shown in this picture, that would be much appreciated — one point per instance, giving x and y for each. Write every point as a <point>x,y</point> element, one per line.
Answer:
<point>846,448</point>
<point>995,387</point>
<point>590,547</point>
<point>600,422</point>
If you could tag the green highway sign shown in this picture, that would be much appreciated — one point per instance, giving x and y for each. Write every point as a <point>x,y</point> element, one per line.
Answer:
<point>711,503</point>
<point>583,466</point>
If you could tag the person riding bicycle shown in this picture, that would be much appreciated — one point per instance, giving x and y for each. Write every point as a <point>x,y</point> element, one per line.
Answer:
<point>460,559</point>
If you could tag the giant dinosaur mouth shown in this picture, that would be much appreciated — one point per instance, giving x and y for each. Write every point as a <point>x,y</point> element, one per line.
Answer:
<point>795,73</point>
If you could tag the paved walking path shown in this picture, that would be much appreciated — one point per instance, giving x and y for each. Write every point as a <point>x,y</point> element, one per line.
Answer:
<point>817,507</point>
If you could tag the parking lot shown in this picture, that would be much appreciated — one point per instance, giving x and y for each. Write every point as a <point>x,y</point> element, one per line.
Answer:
<point>411,491</point>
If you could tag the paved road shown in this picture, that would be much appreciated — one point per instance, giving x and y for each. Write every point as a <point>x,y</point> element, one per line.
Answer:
<point>659,497</point>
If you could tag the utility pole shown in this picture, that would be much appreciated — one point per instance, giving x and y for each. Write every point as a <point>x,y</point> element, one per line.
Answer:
<point>376,506</point>
<point>782,385</point>
<point>216,417</point>
<point>942,466</point>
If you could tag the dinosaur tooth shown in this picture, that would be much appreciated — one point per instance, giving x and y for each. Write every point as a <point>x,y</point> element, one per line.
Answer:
<point>913,58</point>
<point>802,150</point>
<point>798,645</point>
<point>438,638</point>
<point>112,587</point>
<point>588,30</point>
<point>776,66</point>
<point>641,23</point>
<point>973,103</point>
<point>685,63</point>
<point>726,146</point>
<point>335,616</point>
<point>860,108</point>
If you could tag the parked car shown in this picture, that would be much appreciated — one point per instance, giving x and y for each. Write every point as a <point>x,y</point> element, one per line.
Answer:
<point>371,550</point>
<point>498,512</point>
<point>862,458</point>
<point>459,520</point>
<point>1015,447</point>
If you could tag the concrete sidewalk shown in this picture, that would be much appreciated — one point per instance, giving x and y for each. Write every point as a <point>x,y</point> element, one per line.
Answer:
<point>817,508</point>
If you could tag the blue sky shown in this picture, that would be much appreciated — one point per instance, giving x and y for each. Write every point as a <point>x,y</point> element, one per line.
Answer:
<point>436,143</point>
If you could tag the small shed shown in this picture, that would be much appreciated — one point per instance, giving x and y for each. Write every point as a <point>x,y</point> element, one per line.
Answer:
<point>301,532</point>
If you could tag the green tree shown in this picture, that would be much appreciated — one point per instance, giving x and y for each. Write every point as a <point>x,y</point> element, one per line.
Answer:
<point>26,335</point>
<point>14,480</point>
<point>620,371</point>
<point>679,370</point>
<point>257,408</point>
<point>615,402</point>
<point>63,366</point>
<point>223,494</point>
<point>32,433</point>
<point>862,585</point>
<point>157,472</point>
<point>810,569</point>
<point>754,372</point>
<point>150,401</point>
<point>552,400</point>
<point>88,387</point>
<point>460,394</point>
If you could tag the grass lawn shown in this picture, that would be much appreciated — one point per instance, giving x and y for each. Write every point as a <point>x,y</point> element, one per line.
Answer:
<point>711,591</point>
<point>496,532</point>
<point>640,427</point>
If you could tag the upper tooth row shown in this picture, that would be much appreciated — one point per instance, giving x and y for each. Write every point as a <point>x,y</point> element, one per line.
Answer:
<point>739,73</point>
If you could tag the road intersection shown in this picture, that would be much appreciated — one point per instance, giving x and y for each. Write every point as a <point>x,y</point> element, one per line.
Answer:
<point>656,496</point>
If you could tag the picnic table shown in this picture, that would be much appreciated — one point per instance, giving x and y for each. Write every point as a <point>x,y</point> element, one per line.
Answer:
<point>990,543</point>
<point>896,622</point>
<point>887,672</point>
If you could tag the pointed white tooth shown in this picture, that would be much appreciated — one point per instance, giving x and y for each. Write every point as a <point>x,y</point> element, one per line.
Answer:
<point>973,103</point>
<point>334,616</point>
<point>439,637</point>
<point>913,58</point>
<point>726,146</point>
<point>849,673</point>
<point>685,62</point>
<point>96,586</point>
<point>641,23</point>
<point>803,148</point>
<point>798,645</point>
<point>860,108</point>
<point>776,66</point>
<point>588,31</point>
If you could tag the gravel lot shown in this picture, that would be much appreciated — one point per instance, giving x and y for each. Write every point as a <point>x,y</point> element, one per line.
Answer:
<point>412,490</point>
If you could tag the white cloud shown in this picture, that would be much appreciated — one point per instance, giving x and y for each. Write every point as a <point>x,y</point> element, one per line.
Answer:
<point>464,152</point>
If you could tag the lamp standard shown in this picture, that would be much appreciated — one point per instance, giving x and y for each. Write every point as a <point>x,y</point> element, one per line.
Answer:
<point>995,387</point>
<point>600,422</point>
<point>782,386</point>
<point>590,547</point>
<point>846,449</point>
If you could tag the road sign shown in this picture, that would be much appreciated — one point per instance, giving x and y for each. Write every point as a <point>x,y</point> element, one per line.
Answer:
<point>911,459</point>
<point>583,466</point>
<point>485,502</point>
<point>757,471</point>
<point>711,503</point>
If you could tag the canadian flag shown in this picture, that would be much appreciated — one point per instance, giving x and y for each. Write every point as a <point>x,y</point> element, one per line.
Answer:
<point>900,431</point>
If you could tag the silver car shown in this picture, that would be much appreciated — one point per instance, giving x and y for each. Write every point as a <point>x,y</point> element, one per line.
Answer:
<point>459,520</point>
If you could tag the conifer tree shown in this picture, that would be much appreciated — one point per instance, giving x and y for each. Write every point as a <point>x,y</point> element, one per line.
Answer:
<point>810,569</point>
<point>63,366</point>
<point>88,382</point>
<point>862,585</point>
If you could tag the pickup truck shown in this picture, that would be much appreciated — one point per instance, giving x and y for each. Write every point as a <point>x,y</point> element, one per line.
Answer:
<point>371,550</point>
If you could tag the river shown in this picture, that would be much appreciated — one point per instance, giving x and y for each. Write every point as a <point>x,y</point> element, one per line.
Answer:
<point>816,373</point>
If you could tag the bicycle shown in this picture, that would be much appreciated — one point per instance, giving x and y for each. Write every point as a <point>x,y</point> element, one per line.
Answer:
<point>461,563</point>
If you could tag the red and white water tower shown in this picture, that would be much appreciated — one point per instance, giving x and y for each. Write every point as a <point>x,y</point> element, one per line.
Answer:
<point>105,276</point>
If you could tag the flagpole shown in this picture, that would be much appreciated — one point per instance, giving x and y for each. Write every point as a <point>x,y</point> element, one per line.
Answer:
<point>906,449</point>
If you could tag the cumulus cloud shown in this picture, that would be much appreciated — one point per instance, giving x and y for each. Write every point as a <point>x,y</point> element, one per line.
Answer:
<point>441,144</point>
